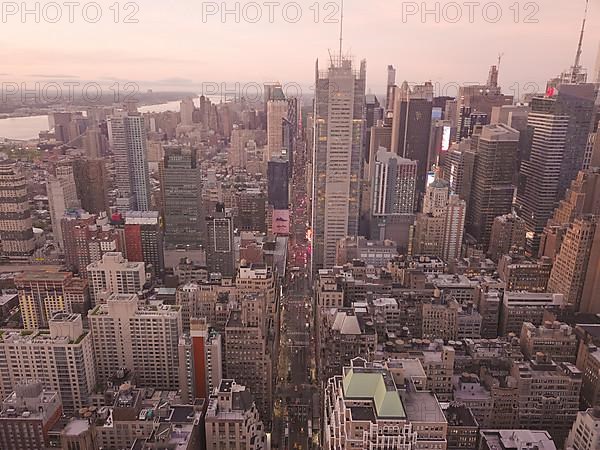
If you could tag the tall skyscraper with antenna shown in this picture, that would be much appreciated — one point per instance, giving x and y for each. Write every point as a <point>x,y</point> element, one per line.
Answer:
<point>339,130</point>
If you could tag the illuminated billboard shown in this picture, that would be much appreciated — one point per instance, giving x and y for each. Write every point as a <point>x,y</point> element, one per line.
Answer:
<point>281,221</point>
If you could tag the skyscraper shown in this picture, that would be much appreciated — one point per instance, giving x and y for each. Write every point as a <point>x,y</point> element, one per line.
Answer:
<point>147,343</point>
<point>62,195</point>
<point>181,190</point>
<point>411,127</point>
<point>16,229</point>
<point>570,267</point>
<point>144,239</point>
<point>129,146</point>
<point>495,148</point>
<point>277,113</point>
<point>219,242</point>
<point>339,128</point>
<point>394,184</point>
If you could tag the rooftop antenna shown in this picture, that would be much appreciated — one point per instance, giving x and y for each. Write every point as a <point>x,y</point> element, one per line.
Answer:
<point>500,56</point>
<point>576,69</point>
<point>342,27</point>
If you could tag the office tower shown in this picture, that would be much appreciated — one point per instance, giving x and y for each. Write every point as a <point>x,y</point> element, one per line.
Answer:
<point>62,359</point>
<point>129,146</point>
<point>585,434</point>
<point>508,233</point>
<point>144,240</point>
<point>232,419</point>
<point>548,395</point>
<point>27,415</point>
<point>278,183</point>
<point>540,173</point>
<point>113,274</point>
<point>142,339</point>
<point>42,294</point>
<point>246,355</point>
<point>457,169</point>
<point>62,195</point>
<point>187,108</point>
<point>181,191</point>
<point>219,243</point>
<point>91,181</point>
<point>338,139</point>
<point>520,307</point>
<point>277,113</point>
<point>456,213</point>
<point>200,360</point>
<point>495,148</point>
<point>391,83</point>
<point>394,184</point>
<point>570,267</point>
<point>87,238</point>
<point>16,232</point>
<point>475,103</point>
<point>439,143</point>
<point>411,127</point>
<point>251,210</point>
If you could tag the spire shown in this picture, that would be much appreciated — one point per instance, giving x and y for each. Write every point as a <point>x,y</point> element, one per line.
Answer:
<point>341,27</point>
<point>576,69</point>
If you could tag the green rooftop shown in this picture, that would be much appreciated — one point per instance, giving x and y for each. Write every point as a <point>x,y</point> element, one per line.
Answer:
<point>371,386</point>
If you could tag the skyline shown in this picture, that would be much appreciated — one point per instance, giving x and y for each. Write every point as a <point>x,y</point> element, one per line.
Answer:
<point>150,60</point>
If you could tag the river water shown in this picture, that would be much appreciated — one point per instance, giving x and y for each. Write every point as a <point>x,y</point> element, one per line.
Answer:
<point>24,128</point>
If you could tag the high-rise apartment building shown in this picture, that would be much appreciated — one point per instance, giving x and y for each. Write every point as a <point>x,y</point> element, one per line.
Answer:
<point>454,228</point>
<point>394,184</point>
<point>128,141</point>
<point>495,148</point>
<point>232,419</point>
<point>27,415</point>
<point>508,233</point>
<point>246,355</point>
<point>219,243</point>
<point>62,195</point>
<point>143,339</point>
<point>63,360</point>
<point>87,238</point>
<point>16,228</point>
<point>570,267</point>
<point>144,240</point>
<point>339,128</point>
<point>113,274</point>
<point>181,191</point>
<point>200,360</point>
<point>42,294</point>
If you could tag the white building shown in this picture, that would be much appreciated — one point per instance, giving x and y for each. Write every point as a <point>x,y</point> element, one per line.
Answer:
<point>585,434</point>
<point>114,275</point>
<point>63,360</point>
<point>143,339</point>
<point>339,127</point>
<point>127,137</point>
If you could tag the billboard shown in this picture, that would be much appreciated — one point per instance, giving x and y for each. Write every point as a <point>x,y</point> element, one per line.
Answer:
<point>281,221</point>
<point>446,138</point>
